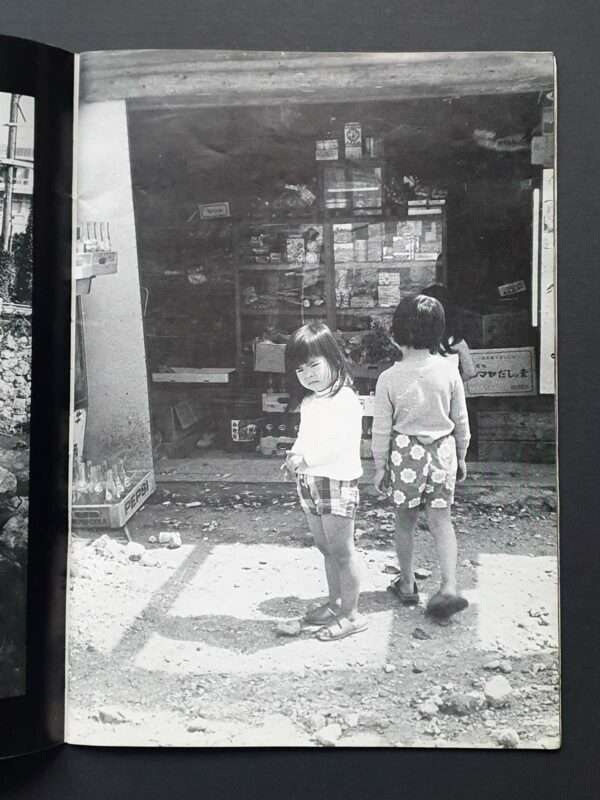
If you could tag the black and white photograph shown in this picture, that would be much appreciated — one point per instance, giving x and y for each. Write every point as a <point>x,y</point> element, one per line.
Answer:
<point>313,445</point>
<point>16,270</point>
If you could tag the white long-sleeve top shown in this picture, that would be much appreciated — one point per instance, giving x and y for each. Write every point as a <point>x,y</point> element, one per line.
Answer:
<point>329,435</point>
<point>422,395</point>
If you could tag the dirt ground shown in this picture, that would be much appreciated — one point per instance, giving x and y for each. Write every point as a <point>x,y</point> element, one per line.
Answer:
<point>180,646</point>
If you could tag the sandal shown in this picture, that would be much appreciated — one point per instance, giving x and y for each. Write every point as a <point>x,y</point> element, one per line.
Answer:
<point>319,616</point>
<point>340,628</point>
<point>406,598</point>
<point>443,606</point>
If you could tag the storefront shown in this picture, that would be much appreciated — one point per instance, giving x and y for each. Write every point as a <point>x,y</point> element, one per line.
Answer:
<point>260,192</point>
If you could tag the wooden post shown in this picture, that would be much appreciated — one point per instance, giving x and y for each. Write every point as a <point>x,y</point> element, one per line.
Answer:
<point>11,151</point>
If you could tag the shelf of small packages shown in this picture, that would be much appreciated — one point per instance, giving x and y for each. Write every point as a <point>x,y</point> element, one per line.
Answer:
<point>365,311</point>
<point>320,311</point>
<point>295,268</point>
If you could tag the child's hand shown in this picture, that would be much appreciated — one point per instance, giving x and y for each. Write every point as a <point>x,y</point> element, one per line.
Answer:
<point>379,481</point>
<point>294,462</point>
<point>287,472</point>
<point>461,470</point>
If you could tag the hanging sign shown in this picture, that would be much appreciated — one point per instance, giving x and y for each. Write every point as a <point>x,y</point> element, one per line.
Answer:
<point>503,371</point>
<point>510,289</point>
<point>214,210</point>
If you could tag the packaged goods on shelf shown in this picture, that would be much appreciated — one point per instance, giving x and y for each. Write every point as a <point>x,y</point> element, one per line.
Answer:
<point>353,135</point>
<point>326,150</point>
<point>269,357</point>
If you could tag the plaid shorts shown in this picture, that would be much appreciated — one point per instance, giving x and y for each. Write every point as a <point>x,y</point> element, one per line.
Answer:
<point>420,474</point>
<point>327,496</point>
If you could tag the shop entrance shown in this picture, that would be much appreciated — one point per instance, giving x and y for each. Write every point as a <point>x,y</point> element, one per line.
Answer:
<point>252,219</point>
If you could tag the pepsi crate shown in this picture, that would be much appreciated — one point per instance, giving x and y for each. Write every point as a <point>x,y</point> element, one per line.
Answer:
<point>115,515</point>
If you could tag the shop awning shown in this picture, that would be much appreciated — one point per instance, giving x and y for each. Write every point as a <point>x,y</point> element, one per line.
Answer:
<point>196,78</point>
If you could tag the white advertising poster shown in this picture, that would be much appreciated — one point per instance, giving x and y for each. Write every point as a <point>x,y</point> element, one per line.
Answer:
<point>547,287</point>
<point>504,371</point>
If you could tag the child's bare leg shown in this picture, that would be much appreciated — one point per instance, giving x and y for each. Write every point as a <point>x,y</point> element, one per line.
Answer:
<point>406,522</point>
<point>331,573</point>
<point>440,525</point>
<point>339,532</point>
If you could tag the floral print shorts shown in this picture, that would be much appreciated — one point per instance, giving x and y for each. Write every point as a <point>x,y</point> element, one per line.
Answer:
<point>422,475</point>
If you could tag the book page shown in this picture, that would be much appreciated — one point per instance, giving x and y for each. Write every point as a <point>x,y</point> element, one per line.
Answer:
<point>252,228</point>
<point>34,358</point>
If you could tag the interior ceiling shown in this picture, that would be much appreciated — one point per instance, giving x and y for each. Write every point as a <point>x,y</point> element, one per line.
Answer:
<point>188,78</point>
<point>435,129</point>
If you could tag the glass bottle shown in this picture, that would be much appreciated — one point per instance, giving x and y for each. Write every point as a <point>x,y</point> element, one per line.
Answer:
<point>125,478</point>
<point>82,484</point>
<point>119,488</point>
<point>99,488</point>
<point>75,482</point>
<point>89,483</point>
<point>110,490</point>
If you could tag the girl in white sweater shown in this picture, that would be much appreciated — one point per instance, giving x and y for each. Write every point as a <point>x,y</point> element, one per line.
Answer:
<point>326,462</point>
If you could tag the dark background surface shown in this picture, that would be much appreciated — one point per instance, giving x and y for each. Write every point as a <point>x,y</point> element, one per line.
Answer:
<point>35,719</point>
<point>570,31</point>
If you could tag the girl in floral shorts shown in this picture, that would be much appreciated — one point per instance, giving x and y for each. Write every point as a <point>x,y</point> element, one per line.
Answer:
<point>420,440</point>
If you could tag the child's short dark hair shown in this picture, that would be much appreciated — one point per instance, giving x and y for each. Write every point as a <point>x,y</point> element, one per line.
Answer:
<point>419,322</point>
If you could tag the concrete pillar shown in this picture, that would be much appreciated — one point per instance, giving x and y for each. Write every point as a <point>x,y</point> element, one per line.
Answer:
<point>118,408</point>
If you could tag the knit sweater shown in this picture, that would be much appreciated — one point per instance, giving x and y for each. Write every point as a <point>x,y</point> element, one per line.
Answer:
<point>329,435</point>
<point>422,395</point>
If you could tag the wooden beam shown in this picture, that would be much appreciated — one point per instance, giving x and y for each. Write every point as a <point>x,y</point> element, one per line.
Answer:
<point>196,78</point>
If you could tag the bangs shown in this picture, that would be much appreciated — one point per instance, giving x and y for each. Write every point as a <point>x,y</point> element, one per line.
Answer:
<point>303,346</point>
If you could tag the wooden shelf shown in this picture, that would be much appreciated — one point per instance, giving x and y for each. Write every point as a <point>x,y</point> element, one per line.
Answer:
<point>366,311</point>
<point>307,312</point>
<point>273,267</point>
<point>396,264</point>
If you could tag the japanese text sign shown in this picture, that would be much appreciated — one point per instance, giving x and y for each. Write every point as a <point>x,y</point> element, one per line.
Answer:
<point>503,371</point>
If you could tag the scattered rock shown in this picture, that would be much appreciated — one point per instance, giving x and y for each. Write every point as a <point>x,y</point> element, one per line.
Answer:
<point>135,551</point>
<point>422,574</point>
<point>417,668</point>
<point>420,634</point>
<point>427,709</point>
<point>329,735</point>
<point>351,720</point>
<point>152,539</point>
<point>389,668</point>
<point>538,613</point>
<point>492,665</point>
<point>199,726</point>
<point>316,722</point>
<point>107,547</point>
<point>391,569</point>
<point>290,627</point>
<point>462,704</point>
<point>550,503</point>
<point>505,666</point>
<point>507,737</point>
<point>8,483</point>
<point>498,691</point>
<point>193,504</point>
<point>110,717</point>
<point>175,541</point>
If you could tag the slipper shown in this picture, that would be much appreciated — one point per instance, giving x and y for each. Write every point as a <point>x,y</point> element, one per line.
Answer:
<point>406,598</point>
<point>340,628</point>
<point>319,616</point>
<point>443,606</point>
